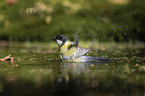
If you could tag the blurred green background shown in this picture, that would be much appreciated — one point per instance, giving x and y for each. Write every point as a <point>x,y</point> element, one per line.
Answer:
<point>42,20</point>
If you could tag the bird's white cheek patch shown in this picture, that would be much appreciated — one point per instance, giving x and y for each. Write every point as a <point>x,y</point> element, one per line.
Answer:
<point>59,42</point>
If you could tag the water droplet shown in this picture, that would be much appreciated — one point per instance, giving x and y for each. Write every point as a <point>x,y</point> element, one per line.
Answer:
<point>114,29</point>
<point>124,33</point>
<point>87,54</point>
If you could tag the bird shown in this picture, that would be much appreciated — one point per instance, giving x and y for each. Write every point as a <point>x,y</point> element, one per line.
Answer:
<point>72,52</point>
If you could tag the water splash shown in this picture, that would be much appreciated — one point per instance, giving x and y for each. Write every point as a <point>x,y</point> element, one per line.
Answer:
<point>114,30</point>
<point>76,35</point>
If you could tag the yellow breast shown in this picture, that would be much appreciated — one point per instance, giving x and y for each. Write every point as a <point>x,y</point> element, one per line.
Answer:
<point>64,50</point>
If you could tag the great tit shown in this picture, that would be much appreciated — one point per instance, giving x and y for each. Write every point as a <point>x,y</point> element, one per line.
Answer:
<point>71,52</point>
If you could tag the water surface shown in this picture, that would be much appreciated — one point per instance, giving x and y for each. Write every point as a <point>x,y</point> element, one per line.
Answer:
<point>42,74</point>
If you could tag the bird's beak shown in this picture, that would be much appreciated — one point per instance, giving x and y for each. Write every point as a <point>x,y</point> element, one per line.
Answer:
<point>54,39</point>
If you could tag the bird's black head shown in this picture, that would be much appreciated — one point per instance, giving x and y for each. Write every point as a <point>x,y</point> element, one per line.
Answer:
<point>60,39</point>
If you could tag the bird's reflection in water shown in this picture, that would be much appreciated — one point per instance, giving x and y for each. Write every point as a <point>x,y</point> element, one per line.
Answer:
<point>75,70</point>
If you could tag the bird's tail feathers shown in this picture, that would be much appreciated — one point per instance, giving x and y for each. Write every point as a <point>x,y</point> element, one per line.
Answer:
<point>94,59</point>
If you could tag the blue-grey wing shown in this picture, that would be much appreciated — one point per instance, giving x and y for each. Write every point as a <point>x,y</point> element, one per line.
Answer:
<point>80,51</point>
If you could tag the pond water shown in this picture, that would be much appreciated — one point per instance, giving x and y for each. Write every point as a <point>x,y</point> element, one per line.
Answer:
<point>42,74</point>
